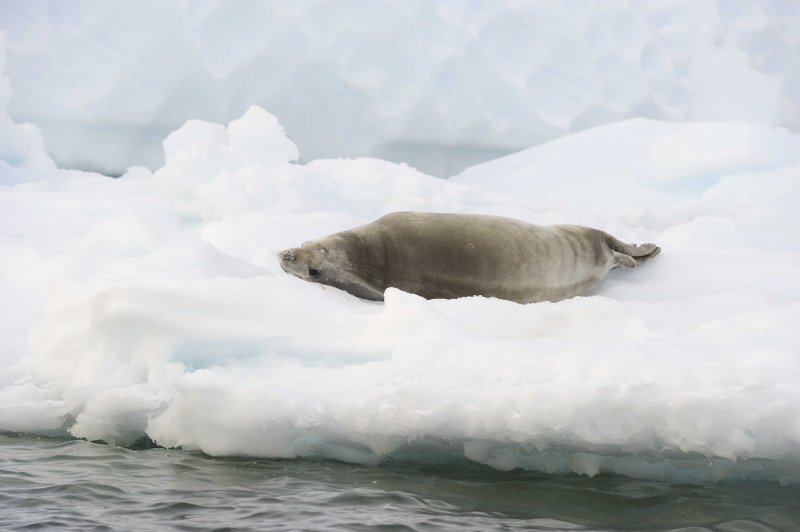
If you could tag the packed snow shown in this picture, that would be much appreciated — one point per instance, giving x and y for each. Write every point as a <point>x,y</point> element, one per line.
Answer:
<point>154,304</point>
<point>440,85</point>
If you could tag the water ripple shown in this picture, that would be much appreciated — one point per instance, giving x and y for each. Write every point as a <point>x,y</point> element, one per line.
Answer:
<point>77,485</point>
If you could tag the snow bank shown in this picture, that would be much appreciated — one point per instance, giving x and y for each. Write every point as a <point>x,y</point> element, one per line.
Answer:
<point>440,85</point>
<point>154,304</point>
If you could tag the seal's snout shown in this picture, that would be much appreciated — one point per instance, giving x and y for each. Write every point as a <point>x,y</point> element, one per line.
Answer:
<point>286,258</point>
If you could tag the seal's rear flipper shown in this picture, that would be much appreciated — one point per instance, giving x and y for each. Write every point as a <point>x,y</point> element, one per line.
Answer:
<point>621,259</point>
<point>632,254</point>
<point>626,261</point>
<point>644,258</point>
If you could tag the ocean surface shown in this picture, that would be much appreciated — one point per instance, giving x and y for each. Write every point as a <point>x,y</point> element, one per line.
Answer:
<point>48,483</point>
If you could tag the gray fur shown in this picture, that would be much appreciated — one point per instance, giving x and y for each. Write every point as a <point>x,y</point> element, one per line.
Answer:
<point>458,255</point>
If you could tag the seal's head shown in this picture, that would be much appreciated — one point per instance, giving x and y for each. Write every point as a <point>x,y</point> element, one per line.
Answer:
<point>333,262</point>
<point>310,262</point>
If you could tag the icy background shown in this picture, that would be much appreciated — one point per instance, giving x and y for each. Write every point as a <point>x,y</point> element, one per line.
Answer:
<point>154,304</point>
<point>439,85</point>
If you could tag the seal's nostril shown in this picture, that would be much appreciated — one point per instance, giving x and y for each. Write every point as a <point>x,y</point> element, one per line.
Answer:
<point>287,256</point>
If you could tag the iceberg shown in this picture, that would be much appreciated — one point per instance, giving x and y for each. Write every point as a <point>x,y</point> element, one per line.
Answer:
<point>153,304</point>
<point>440,86</point>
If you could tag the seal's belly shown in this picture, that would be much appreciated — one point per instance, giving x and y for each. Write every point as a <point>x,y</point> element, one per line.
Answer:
<point>536,264</point>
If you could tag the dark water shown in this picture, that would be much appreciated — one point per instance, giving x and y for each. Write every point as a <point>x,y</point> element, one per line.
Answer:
<point>47,483</point>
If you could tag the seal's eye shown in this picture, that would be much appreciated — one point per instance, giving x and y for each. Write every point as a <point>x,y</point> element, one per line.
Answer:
<point>313,273</point>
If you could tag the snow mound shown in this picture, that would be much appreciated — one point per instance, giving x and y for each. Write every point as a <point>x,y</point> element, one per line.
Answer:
<point>705,149</point>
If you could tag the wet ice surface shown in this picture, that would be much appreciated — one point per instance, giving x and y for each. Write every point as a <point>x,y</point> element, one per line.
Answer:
<point>77,485</point>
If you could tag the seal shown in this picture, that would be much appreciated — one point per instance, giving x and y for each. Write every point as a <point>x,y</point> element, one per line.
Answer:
<point>443,256</point>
